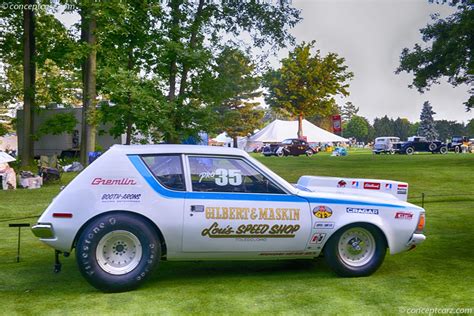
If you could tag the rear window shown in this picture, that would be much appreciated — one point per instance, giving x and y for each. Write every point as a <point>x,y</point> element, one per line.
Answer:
<point>167,169</point>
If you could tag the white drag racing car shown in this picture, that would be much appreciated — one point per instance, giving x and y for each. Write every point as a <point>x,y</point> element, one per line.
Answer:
<point>137,205</point>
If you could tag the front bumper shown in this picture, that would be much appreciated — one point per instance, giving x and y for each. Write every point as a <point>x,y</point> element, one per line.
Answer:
<point>43,230</point>
<point>415,240</point>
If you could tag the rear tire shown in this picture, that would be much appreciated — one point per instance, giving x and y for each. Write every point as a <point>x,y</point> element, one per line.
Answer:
<point>356,250</point>
<point>443,150</point>
<point>116,252</point>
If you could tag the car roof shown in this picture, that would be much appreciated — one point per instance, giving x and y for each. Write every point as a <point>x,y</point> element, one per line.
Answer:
<point>177,149</point>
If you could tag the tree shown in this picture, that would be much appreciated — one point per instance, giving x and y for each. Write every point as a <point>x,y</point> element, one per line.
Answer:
<point>447,129</point>
<point>306,84</point>
<point>383,127</point>
<point>238,84</point>
<point>401,128</point>
<point>89,90</point>
<point>358,127</point>
<point>470,128</point>
<point>193,34</point>
<point>348,110</point>
<point>449,51</point>
<point>29,76</point>
<point>427,125</point>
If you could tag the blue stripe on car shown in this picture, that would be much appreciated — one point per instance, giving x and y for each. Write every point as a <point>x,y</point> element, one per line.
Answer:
<point>155,185</point>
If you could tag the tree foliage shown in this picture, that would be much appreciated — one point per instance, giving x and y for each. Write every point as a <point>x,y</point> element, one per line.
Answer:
<point>448,51</point>
<point>427,125</point>
<point>358,127</point>
<point>307,83</point>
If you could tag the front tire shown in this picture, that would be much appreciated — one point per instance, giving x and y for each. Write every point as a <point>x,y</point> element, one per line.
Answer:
<point>443,150</point>
<point>116,252</point>
<point>410,151</point>
<point>309,153</point>
<point>356,250</point>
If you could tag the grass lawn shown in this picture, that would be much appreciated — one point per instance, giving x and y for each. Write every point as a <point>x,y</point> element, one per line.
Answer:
<point>438,274</point>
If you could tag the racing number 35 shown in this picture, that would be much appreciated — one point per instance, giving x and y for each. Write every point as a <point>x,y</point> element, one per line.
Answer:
<point>228,176</point>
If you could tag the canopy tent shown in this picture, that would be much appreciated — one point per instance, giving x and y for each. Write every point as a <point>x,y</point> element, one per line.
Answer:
<point>224,140</point>
<point>4,157</point>
<point>278,131</point>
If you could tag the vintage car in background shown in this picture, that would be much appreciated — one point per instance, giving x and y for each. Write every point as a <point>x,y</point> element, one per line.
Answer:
<point>459,144</point>
<point>420,144</point>
<point>289,147</point>
<point>137,205</point>
<point>384,145</point>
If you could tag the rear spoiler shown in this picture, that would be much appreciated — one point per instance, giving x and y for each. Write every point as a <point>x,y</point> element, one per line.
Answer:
<point>368,187</point>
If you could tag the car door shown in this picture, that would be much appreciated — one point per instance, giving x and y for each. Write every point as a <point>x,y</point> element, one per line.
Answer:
<point>234,207</point>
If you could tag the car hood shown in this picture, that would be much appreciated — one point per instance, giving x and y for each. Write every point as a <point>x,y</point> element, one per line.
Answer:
<point>378,200</point>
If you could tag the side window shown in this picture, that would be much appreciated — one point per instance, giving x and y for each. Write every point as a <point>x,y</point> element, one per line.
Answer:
<point>167,169</point>
<point>216,174</point>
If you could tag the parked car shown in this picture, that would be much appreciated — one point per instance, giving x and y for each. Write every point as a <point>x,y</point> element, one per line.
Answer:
<point>457,144</point>
<point>137,205</point>
<point>420,144</point>
<point>291,146</point>
<point>384,145</point>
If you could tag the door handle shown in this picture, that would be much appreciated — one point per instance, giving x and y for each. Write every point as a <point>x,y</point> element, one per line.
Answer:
<point>197,208</point>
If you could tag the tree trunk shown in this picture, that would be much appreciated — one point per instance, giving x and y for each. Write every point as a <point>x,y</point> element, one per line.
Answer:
<point>300,125</point>
<point>88,134</point>
<point>128,139</point>
<point>236,144</point>
<point>192,45</point>
<point>173,67</point>
<point>29,78</point>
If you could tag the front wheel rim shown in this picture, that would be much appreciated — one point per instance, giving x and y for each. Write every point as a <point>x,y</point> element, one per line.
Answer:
<point>356,247</point>
<point>119,252</point>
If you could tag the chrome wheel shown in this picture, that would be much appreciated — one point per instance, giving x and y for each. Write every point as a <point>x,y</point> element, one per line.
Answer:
<point>119,252</point>
<point>356,247</point>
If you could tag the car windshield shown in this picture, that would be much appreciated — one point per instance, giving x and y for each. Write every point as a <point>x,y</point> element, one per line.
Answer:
<point>286,142</point>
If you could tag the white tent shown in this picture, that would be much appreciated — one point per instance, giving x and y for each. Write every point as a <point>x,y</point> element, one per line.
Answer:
<point>227,141</point>
<point>278,131</point>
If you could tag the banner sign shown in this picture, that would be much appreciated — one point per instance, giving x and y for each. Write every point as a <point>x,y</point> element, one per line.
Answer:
<point>336,124</point>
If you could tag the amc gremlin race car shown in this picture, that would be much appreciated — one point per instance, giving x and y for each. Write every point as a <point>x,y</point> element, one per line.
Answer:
<point>137,205</point>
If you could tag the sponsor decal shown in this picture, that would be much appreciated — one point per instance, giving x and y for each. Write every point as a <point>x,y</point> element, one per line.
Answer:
<point>402,189</point>
<point>251,231</point>
<point>355,184</point>
<point>404,215</point>
<point>317,238</point>
<point>358,210</point>
<point>322,211</point>
<point>247,213</point>
<point>117,197</point>
<point>388,186</point>
<point>324,225</point>
<point>341,184</point>
<point>371,185</point>
<point>122,181</point>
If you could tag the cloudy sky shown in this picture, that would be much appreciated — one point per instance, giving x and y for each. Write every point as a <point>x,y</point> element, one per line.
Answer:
<point>370,34</point>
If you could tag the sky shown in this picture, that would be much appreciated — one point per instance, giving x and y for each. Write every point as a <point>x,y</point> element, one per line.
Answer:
<point>370,35</point>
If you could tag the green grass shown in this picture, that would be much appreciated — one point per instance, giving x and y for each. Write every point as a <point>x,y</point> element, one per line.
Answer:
<point>439,273</point>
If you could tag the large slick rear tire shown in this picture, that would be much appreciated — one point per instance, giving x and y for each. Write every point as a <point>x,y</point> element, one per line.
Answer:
<point>356,250</point>
<point>117,252</point>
